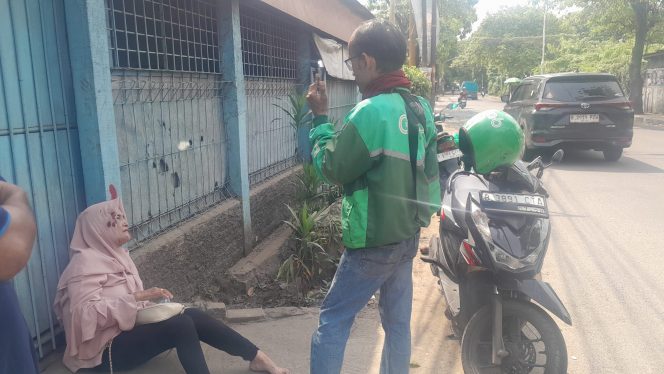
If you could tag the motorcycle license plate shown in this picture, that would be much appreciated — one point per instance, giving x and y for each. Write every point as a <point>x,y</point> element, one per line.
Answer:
<point>514,203</point>
<point>444,156</point>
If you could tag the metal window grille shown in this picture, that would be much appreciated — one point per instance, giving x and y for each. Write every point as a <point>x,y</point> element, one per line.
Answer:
<point>271,138</point>
<point>172,145</point>
<point>268,44</point>
<point>173,35</point>
<point>343,95</point>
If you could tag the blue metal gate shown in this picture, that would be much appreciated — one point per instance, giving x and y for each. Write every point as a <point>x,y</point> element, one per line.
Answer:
<point>39,146</point>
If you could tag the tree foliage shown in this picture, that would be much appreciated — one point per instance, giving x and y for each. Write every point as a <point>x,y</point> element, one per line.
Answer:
<point>455,22</point>
<point>581,35</point>
<point>635,20</point>
<point>421,85</point>
<point>402,10</point>
<point>508,42</point>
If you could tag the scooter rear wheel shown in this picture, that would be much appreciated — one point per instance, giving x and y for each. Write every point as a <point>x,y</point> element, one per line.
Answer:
<point>533,340</point>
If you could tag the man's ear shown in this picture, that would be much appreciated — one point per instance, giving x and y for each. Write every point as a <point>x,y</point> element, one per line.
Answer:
<point>112,191</point>
<point>370,62</point>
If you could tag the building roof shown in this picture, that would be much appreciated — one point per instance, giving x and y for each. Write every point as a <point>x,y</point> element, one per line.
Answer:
<point>337,18</point>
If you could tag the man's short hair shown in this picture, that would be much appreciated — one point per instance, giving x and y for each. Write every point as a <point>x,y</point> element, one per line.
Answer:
<point>382,41</point>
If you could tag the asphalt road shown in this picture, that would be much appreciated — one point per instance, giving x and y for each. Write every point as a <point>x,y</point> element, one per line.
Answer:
<point>605,260</point>
<point>605,256</point>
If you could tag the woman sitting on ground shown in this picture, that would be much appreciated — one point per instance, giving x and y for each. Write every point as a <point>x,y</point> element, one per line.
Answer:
<point>100,294</point>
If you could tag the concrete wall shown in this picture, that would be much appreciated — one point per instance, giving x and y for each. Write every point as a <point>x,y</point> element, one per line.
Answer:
<point>190,259</point>
<point>653,91</point>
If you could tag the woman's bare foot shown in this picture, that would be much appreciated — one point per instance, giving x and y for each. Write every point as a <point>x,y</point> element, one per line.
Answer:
<point>263,363</point>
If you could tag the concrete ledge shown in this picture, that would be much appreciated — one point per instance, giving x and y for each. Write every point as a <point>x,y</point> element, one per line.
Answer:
<point>289,311</point>
<point>216,310</point>
<point>263,261</point>
<point>244,315</point>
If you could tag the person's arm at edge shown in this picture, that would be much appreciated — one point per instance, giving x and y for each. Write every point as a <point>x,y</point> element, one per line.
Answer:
<point>18,238</point>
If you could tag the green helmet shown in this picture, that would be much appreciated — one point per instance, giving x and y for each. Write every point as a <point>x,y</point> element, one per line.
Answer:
<point>491,139</point>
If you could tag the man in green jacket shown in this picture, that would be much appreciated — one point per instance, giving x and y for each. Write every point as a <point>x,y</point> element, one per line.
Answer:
<point>387,198</point>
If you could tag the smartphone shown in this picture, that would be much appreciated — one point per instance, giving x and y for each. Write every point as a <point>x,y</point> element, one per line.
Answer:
<point>318,73</point>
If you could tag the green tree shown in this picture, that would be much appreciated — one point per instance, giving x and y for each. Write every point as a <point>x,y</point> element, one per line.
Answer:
<point>507,43</point>
<point>637,20</point>
<point>381,9</point>
<point>421,84</point>
<point>455,22</point>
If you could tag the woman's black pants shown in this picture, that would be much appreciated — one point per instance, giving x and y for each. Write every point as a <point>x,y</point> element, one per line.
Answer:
<point>184,333</point>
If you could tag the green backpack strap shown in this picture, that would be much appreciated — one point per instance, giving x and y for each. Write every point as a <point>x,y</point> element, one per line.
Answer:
<point>415,115</point>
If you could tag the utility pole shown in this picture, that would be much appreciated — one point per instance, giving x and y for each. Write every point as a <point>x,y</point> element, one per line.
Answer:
<point>412,42</point>
<point>543,38</point>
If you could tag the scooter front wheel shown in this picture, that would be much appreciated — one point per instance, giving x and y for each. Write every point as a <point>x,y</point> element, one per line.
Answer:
<point>532,338</point>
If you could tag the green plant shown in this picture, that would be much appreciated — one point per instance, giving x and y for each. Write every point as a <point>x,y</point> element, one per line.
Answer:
<point>296,111</point>
<point>421,85</point>
<point>308,261</point>
<point>331,231</point>
<point>309,186</point>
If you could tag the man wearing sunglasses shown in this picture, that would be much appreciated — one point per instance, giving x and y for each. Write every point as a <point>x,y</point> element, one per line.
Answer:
<point>384,157</point>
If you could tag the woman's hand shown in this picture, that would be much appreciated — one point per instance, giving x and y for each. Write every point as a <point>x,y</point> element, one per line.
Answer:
<point>153,293</point>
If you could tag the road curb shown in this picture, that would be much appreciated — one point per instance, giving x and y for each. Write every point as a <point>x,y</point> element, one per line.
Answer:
<point>648,122</point>
<point>263,314</point>
<point>245,315</point>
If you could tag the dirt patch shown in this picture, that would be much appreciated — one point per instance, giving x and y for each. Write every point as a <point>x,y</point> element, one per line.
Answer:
<point>268,292</point>
<point>272,293</point>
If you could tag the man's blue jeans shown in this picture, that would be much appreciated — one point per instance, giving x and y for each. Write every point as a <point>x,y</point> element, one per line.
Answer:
<point>360,274</point>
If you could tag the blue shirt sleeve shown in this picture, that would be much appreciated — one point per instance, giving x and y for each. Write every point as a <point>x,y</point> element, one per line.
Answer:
<point>4,216</point>
<point>4,221</point>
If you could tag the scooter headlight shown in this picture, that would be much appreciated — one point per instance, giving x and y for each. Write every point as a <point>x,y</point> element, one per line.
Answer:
<point>481,222</point>
<point>501,257</point>
<point>534,245</point>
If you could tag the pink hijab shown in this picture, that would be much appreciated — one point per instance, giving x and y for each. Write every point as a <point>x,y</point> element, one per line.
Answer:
<point>94,298</point>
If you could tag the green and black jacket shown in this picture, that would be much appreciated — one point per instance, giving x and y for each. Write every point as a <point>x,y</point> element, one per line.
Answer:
<point>369,157</point>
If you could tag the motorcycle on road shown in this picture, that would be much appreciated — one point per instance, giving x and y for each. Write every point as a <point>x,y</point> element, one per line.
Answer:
<point>493,238</point>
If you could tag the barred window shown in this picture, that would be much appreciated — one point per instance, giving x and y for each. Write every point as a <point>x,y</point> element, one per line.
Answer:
<point>268,44</point>
<point>175,35</point>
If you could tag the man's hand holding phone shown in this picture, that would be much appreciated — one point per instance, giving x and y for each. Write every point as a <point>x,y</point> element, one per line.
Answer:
<point>317,97</point>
